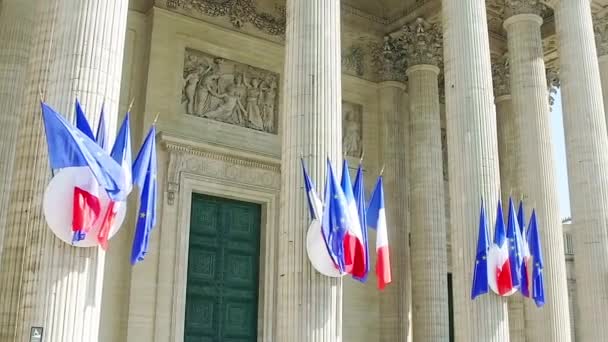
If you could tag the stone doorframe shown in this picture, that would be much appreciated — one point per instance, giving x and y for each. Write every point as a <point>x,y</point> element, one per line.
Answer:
<point>206,169</point>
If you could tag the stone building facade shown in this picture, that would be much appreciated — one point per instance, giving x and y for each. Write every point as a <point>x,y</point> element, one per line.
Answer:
<point>452,99</point>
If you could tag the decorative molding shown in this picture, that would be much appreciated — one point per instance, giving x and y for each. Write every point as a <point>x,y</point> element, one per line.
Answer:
<point>231,92</point>
<point>353,60</point>
<point>352,119</point>
<point>515,7</point>
<point>421,42</point>
<point>388,61</point>
<point>501,76</point>
<point>600,26</point>
<point>239,13</point>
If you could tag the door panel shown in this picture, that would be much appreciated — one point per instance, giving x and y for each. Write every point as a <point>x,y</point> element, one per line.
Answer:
<point>223,270</point>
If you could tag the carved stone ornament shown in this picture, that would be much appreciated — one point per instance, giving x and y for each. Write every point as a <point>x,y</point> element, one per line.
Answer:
<point>501,76</point>
<point>352,117</point>
<point>421,42</point>
<point>239,12</point>
<point>227,91</point>
<point>389,61</point>
<point>353,60</point>
<point>515,7</point>
<point>600,26</point>
<point>553,83</point>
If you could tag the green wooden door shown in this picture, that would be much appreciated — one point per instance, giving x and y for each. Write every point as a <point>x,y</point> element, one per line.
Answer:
<point>223,265</point>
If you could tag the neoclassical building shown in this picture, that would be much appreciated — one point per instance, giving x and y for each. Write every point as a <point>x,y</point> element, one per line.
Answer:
<point>452,99</point>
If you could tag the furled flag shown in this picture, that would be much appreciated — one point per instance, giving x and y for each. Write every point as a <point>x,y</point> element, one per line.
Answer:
<point>499,265</point>
<point>102,136</point>
<point>69,147</point>
<point>376,219</point>
<point>82,123</point>
<point>336,220</point>
<point>121,153</point>
<point>515,245</point>
<point>359,192</point>
<point>314,202</point>
<point>354,246</point>
<point>538,286</point>
<point>525,278</point>
<point>480,274</point>
<point>144,177</point>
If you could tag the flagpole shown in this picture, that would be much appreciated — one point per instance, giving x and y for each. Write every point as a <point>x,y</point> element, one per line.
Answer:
<point>130,105</point>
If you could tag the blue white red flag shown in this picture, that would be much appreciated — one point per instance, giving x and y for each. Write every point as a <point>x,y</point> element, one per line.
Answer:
<point>515,246</point>
<point>354,246</point>
<point>359,192</point>
<point>525,276</point>
<point>82,123</point>
<point>102,136</point>
<point>376,219</point>
<point>499,265</point>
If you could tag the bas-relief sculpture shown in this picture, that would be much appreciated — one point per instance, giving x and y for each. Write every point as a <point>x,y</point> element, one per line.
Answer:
<point>352,115</point>
<point>230,92</point>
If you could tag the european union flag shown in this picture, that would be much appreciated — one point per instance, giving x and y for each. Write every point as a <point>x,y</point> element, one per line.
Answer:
<point>69,147</point>
<point>144,176</point>
<point>359,192</point>
<point>538,285</point>
<point>515,246</point>
<point>335,218</point>
<point>82,123</point>
<point>480,275</point>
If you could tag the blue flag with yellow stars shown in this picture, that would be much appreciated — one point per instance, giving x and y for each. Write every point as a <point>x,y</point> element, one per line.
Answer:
<point>144,177</point>
<point>480,275</point>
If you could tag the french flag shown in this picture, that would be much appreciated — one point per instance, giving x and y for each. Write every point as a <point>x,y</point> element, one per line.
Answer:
<point>354,246</point>
<point>121,153</point>
<point>376,219</point>
<point>515,245</point>
<point>525,277</point>
<point>499,266</point>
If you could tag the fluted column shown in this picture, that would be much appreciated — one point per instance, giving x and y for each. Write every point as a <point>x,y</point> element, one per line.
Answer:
<point>510,161</point>
<point>600,24</point>
<point>15,39</point>
<point>587,154</point>
<point>395,300</point>
<point>309,304</point>
<point>76,50</point>
<point>473,162</point>
<point>539,186</point>
<point>421,43</point>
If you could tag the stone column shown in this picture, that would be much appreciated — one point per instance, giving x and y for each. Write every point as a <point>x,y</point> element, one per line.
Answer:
<point>395,301</point>
<point>76,51</point>
<point>539,186</point>
<point>309,304</point>
<point>600,24</point>
<point>510,161</point>
<point>587,154</point>
<point>15,38</point>
<point>473,162</point>
<point>422,46</point>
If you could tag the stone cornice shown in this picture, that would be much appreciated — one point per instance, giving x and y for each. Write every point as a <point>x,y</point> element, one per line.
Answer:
<point>501,76</point>
<point>600,26</point>
<point>421,42</point>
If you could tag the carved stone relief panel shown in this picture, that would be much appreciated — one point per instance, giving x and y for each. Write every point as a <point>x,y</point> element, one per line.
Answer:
<point>231,92</point>
<point>352,117</point>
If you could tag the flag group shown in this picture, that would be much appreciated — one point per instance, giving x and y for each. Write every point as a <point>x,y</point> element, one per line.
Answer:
<point>345,218</point>
<point>106,177</point>
<point>513,261</point>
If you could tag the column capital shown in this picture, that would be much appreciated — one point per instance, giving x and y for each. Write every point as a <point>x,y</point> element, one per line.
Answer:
<point>553,83</point>
<point>600,27</point>
<point>501,76</point>
<point>421,42</point>
<point>388,60</point>
<point>516,7</point>
<point>392,84</point>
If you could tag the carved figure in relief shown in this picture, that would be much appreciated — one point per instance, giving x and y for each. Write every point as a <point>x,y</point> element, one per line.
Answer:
<point>226,111</point>
<point>229,92</point>
<point>253,107</point>
<point>352,134</point>
<point>270,95</point>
